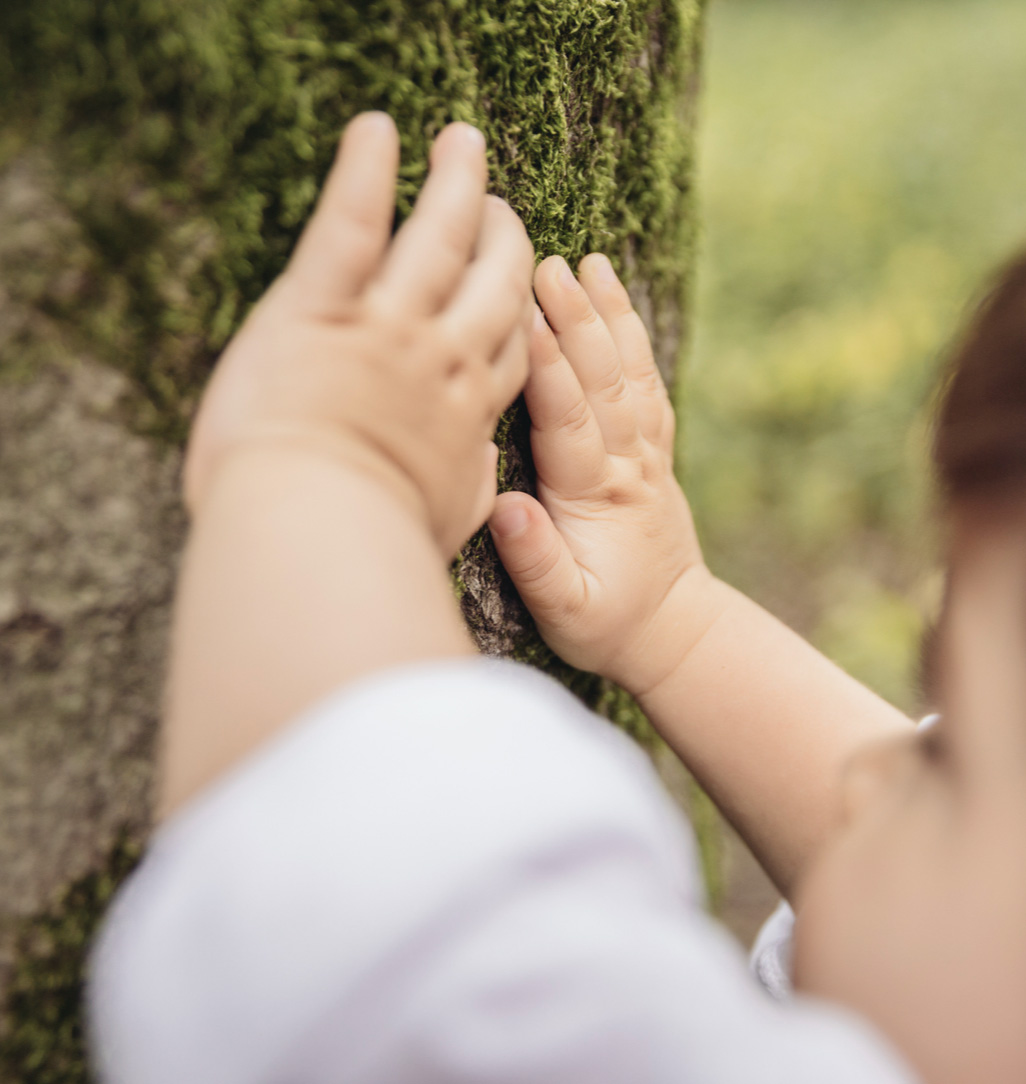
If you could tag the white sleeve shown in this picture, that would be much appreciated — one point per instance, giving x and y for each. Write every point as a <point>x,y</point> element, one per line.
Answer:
<point>771,954</point>
<point>449,872</point>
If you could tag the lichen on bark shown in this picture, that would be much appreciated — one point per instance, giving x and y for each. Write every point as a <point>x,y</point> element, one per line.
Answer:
<point>165,154</point>
<point>43,1042</point>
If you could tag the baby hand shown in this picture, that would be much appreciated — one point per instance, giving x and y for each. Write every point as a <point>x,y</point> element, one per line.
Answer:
<point>396,356</point>
<point>607,558</point>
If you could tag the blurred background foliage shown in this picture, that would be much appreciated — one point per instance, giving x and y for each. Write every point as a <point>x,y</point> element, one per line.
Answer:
<point>862,170</point>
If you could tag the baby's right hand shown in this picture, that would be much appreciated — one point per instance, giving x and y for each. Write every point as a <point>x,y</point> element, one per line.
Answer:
<point>606,559</point>
<point>393,355</point>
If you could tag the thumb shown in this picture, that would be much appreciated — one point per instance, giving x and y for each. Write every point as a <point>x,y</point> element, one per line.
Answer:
<point>536,557</point>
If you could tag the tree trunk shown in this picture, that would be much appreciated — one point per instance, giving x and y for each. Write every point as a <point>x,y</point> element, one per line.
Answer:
<point>157,159</point>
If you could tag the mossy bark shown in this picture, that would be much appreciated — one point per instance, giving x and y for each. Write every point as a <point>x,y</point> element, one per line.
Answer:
<point>157,159</point>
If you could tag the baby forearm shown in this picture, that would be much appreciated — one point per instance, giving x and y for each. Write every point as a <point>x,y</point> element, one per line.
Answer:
<point>766,723</point>
<point>300,574</point>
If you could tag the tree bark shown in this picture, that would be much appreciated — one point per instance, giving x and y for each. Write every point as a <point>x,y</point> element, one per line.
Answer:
<point>157,160</point>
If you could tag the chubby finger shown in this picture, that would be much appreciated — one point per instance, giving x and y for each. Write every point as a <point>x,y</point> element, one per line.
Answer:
<point>569,451</point>
<point>490,300</point>
<point>612,302</point>
<point>345,240</point>
<point>586,343</point>
<point>431,251</point>
<point>537,558</point>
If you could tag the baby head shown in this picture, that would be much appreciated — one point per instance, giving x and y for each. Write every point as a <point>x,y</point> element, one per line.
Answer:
<point>915,914</point>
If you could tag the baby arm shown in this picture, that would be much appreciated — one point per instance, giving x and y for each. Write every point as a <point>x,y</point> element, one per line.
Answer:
<point>608,562</point>
<point>342,451</point>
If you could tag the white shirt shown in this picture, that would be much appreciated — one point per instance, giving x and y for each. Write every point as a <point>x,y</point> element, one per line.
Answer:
<point>444,872</point>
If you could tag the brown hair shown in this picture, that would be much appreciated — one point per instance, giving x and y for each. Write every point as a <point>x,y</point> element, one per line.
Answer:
<point>980,434</point>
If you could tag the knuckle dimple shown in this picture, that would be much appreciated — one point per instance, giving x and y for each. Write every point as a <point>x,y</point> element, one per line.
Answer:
<point>615,388</point>
<point>652,384</point>
<point>454,355</point>
<point>622,493</point>
<point>462,388</point>
<point>576,418</point>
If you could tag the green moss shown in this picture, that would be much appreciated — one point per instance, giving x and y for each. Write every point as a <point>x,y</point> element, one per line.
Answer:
<point>188,140</point>
<point>44,1024</point>
<point>192,138</point>
<point>458,586</point>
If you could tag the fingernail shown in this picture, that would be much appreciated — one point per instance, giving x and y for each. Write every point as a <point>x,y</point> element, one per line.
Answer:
<point>509,522</point>
<point>539,319</point>
<point>566,276</point>
<point>474,136</point>
<point>604,269</point>
<point>378,122</point>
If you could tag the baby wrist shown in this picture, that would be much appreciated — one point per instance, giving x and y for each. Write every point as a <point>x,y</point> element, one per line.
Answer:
<point>691,608</point>
<point>328,445</point>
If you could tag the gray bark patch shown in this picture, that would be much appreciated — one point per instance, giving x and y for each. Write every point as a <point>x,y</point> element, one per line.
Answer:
<point>90,530</point>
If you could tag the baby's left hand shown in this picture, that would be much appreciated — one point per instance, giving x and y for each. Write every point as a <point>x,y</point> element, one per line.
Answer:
<point>396,356</point>
<point>606,559</point>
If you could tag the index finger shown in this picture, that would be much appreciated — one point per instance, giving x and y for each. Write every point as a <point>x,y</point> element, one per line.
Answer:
<point>433,247</point>
<point>566,441</point>
<point>611,301</point>
<point>349,231</point>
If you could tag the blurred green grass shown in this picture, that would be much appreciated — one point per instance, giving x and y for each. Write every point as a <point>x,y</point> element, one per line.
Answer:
<point>863,167</point>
